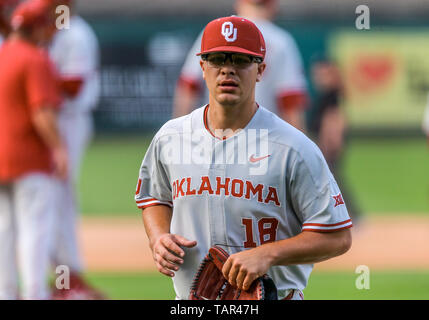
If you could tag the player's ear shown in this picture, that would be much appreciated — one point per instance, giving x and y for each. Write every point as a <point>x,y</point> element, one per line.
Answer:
<point>203,68</point>
<point>261,69</point>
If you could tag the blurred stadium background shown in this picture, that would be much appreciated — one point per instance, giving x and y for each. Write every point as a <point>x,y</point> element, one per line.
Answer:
<point>386,69</point>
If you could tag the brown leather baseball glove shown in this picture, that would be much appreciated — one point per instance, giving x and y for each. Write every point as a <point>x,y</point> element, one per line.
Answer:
<point>210,284</point>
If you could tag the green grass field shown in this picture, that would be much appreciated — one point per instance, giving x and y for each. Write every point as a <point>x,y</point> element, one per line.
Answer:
<point>386,176</point>
<point>109,175</point>
<point>406,285</point>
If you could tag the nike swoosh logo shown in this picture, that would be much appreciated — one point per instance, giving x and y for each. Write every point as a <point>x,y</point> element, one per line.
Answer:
<point>253,159</point>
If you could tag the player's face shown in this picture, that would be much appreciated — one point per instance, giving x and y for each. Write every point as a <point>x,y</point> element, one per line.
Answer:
<point>231,78</point>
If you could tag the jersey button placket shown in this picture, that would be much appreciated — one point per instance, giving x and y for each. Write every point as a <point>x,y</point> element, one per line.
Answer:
<point>216,202</point>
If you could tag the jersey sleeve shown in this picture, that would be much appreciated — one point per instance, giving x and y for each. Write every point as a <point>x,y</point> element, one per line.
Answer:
<point>191,73</point>
<point>153,186</point>
<point>289,69</point>
<point>315,195</point>
<point>76,52</point>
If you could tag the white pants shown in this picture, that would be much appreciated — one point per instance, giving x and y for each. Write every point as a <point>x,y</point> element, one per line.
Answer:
<point>76,130</point>
<point>26,229</point>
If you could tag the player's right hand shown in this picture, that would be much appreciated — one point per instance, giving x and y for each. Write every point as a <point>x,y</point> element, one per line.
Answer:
<point>168,254</point>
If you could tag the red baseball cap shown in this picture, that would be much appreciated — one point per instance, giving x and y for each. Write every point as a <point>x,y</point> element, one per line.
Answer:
<point>233,34</point>
<point>31,13</point>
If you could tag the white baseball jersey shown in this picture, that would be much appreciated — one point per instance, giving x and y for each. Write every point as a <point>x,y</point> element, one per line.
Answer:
<point>283,75</point>
<point>75,52</point>
<point>266,183</point>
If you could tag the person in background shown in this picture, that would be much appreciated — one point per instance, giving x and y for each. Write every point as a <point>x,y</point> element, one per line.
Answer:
<point>32,152</point>
<point>328,122</point>
<point>283,86</point>
<point>75,52</point>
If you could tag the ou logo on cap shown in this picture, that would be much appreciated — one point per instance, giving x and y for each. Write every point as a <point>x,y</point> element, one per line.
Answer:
<point>228,30</point>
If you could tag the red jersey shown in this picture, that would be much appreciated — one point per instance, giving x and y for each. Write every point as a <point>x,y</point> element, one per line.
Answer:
<point>27,82</point>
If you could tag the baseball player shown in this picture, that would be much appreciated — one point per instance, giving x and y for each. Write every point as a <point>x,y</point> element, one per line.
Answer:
<point>75,53</point>
<point>283,86</point>
<point>328,123</point>
<point>31,152</point>
<point>233,174</point>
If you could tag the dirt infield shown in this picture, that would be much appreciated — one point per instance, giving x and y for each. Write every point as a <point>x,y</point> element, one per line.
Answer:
<point>382,243</point>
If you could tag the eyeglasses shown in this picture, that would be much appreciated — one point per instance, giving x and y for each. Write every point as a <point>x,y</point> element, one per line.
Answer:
<point>238,60</point>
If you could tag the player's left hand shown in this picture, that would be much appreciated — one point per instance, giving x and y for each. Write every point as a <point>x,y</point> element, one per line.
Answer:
<point>242,268</point>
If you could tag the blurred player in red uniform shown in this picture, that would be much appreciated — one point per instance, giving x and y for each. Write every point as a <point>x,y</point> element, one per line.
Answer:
<point>283,87</point>
<point>31,152</point>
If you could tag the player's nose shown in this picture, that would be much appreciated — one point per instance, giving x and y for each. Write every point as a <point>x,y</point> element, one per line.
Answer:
<point>228,68</point>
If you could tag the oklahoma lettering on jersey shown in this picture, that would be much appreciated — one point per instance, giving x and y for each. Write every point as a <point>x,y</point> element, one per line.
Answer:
<point>229,187</point>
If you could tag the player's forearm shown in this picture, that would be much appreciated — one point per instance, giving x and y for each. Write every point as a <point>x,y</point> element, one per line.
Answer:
<point>156,221</point>
<point>45,123</point>
<point>331,136</point>
<point>333,123</point>
<point>308,247</point>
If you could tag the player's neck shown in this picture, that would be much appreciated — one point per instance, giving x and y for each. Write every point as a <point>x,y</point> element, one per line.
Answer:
<point>230,118</point>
